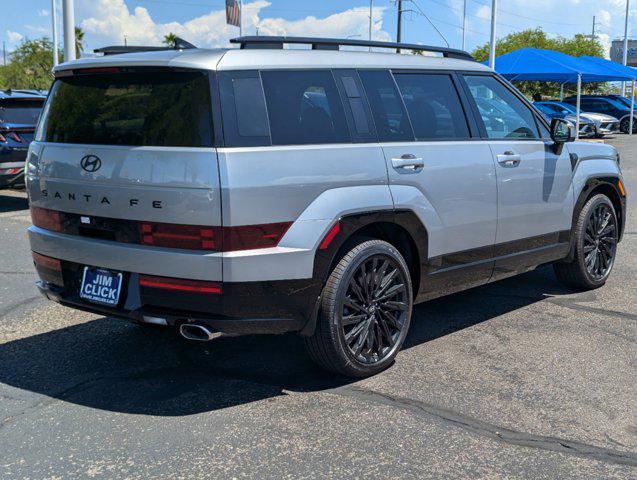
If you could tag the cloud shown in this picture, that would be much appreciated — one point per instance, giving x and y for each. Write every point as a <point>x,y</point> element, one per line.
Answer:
<point>43,13</point>
<point>109,21</point>
<point>14,37</point>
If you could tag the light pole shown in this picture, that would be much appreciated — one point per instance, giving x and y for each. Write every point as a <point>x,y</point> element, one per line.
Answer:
<point>68,14</point>
<point>54,20</point>
<point>464,25</point>
<point>494,13</point>
<point>625,58</point>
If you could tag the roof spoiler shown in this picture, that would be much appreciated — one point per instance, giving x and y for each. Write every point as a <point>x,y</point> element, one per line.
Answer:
<point>180,44</point>
<point>262,42</point>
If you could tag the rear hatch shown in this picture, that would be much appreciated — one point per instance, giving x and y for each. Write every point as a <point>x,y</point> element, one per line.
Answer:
<point>129,144</point>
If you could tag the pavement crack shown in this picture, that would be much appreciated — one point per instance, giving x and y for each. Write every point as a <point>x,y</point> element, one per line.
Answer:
<point>487,429</point>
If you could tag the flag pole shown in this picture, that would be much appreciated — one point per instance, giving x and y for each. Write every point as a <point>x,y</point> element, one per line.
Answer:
<point>241,18</point>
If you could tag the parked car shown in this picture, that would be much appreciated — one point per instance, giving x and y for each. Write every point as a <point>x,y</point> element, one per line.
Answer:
<point>317,191</point>
<point>604,124</point>
<point>19,112</point>
<point>606,105</point>
<point>587,127</point>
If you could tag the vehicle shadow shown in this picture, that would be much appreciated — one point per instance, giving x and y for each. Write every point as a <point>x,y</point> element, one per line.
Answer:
<point>12,203</point>
<point>112,365</point>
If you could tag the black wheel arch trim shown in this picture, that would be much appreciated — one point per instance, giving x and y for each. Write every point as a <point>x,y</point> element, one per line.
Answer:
<point>591,185</point>
<point>355,224</point>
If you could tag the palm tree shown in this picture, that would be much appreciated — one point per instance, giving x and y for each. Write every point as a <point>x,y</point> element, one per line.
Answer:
<point>170,40</point>
<point>79,38</point>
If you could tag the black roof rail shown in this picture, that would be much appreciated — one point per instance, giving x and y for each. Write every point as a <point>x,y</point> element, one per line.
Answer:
<point>180,44</point>
<point>262,42</point>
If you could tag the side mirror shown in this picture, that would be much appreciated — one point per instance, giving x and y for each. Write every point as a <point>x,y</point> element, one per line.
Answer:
<point>561,133</point>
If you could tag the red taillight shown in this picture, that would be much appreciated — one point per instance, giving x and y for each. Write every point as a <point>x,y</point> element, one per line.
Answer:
<point>178,236</point>
<point>3,139</point>
<point>47,262</point>
<point>15,136</point>
<point>179,284</point>
<point>46,219</point>
<point>250,237</point>
<point>226,239</point>
<point>10,171</point>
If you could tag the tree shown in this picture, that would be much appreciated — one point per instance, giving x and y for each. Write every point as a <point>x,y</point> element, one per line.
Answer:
<point>30,66</point>
<point>170,40</point>
<point>577,46</point>
<point>79,39</point>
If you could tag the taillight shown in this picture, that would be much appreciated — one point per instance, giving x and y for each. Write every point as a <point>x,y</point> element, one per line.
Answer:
<point>49,269</point>
<point>46,219</point>
<point>250,237</point>
<point>179,284</point>
<point>47,262</point>
<point>223,239</point>
<point>15,136</point>
<point>179,236</point>
<point>3,139</point>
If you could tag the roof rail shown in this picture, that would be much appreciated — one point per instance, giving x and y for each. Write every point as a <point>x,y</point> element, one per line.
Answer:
<point>180,44</point>
<point>262,42</point>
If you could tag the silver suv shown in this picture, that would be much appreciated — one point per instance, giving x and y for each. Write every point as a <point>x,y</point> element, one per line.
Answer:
<point>324,192</point>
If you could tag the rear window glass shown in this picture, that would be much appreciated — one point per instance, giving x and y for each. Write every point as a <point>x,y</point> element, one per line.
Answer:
<point>304,107</point>
<point>24,112</point>
<point>388,109</point>
<point>169,109</point>
<point>433,105</point>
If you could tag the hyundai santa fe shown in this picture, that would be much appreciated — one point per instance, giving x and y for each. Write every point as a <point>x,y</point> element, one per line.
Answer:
<point>265,189</point>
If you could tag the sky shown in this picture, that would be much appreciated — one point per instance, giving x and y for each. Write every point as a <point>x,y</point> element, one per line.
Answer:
<point>202,22</point>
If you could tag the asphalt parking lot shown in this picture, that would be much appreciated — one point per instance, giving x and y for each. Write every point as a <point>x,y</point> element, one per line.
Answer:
<point>517,379</point>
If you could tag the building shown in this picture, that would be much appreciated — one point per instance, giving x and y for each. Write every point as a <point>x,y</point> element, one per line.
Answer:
<point>617,52</point>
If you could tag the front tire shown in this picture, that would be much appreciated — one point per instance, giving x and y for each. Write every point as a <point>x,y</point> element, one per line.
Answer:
<point>596,235</point>
<point>365,311</point>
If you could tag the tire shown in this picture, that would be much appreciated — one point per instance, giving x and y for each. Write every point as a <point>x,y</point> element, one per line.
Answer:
<point>359,331</point>
<point>624,125</point>
<point>595,246</point>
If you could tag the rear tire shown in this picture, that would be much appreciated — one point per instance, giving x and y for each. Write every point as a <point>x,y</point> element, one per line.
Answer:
<point>365,311</point>
<point>595,243</point>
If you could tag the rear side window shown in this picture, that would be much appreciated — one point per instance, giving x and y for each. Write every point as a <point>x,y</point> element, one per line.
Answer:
<point>22,112</point>
<point>170,109</point>
<point>433,105</point>
<point>387,107</point>
<point>304,107</point>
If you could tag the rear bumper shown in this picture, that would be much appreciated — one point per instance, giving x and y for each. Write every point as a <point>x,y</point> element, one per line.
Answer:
<point>241,308</point>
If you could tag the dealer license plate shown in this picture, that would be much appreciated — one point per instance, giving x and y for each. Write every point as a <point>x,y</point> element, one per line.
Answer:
<point>101,286</point>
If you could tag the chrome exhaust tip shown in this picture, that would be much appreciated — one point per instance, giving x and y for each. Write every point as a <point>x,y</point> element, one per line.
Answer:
<point>199,333</point>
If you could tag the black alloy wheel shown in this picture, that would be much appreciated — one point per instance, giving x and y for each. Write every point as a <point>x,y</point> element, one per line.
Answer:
<point>374,309</point>
<point>600,241</point>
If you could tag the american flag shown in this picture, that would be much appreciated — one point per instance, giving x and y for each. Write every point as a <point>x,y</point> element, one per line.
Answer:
<point>233,13</point>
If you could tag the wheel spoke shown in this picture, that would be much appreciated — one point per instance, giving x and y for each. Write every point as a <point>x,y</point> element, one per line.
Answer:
<point>349,303</point>
<point>353,319</point>
<point>393,305</point>
<point>398,288</point>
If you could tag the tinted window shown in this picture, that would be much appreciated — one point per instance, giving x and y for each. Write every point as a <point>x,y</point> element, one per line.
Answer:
<point>433,105</point>
<point>25,112</point>
<point>159,109</point>
<point>304,107</point>
<point>388,109</point>
<point>245,118</point>
<point>504,115</point>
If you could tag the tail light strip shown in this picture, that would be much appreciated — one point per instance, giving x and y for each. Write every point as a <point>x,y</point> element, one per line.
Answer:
<point>179,284</point>
<point>190,237</point>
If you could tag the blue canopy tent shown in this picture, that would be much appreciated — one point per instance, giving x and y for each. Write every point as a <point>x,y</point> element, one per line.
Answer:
<point>548,66</point>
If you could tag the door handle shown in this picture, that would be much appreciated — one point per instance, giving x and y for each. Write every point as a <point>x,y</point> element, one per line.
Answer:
<point>408,162</point>
<point>509,159</point>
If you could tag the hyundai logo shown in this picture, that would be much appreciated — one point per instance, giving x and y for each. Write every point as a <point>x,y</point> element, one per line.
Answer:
<point>91,163</point>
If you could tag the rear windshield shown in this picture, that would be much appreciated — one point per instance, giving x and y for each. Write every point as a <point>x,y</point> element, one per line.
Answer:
<point>24,112</point>
<point>169,109</point>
